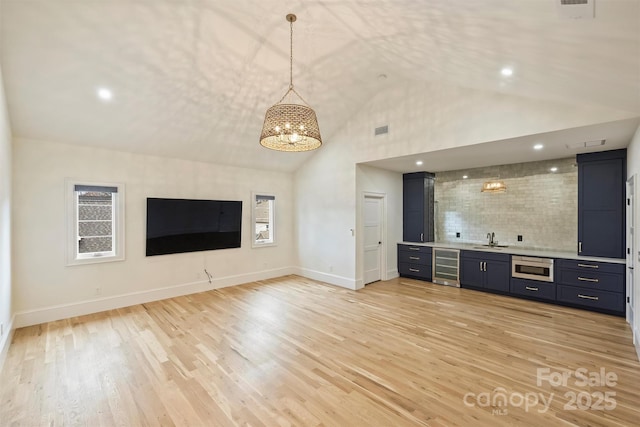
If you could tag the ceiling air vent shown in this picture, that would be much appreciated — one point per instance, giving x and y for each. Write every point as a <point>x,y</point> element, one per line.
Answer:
<point>586,144</point>
<point>381,130</point>
<point>576,9</point>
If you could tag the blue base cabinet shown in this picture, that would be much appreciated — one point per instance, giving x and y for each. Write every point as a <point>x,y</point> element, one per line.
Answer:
<point>484,270</point>
<point>589,284</point>
<point>543,291</point>
<point>415,261</point>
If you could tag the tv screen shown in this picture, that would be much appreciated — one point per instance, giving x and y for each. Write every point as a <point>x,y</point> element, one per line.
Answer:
<point>181,225</point>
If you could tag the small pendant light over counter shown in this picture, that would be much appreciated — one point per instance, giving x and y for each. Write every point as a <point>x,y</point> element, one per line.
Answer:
<point>494,186</point>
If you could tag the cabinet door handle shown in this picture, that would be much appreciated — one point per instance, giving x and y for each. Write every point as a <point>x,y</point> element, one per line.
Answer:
<point>414,257</point>
<point>480,265</point>
<point>588,266</point>
<point>415,270</point>
<point>579,247</point>
<point>530,288</point>
<point>586,279</point>
<point>422,237</point>
<point>587,297</point>
<point>485,266</point>
<point>413,249</point>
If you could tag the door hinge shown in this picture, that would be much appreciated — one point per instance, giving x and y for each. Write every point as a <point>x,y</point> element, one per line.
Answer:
<point>628,202</point>
<point>627,299</point>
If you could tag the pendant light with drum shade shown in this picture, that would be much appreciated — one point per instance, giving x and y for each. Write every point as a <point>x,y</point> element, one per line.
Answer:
<point>290,126</point>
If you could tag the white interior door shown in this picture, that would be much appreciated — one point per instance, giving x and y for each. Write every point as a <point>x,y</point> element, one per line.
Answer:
<point>372,239</point>
<point>630,248</point>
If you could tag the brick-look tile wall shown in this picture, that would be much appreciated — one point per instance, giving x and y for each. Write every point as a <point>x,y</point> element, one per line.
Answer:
<point>539,205</point>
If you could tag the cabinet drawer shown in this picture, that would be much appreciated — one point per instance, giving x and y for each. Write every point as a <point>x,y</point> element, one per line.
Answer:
<point>532,288</point>
<point>414,270</point>
<point>591,266</point>
<point>486,256</point>
<point>415,249</point>
<point>591,298</point>
<point>420,258</point>
<point>592,279</point>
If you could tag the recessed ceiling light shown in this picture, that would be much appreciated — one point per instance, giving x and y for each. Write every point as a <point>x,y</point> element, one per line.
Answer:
<point>105,94</point>
<point>506,71</point>
<point>538,147</point>
<point>465,176</point>
<point>419,163</point>
<point>554,169</point>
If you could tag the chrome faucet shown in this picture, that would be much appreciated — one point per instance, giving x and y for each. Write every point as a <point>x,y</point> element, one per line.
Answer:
<point>491,237</point>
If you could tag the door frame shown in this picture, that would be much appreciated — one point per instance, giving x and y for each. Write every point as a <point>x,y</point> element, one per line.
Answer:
<point>630,193</point>
<point>382,197</point>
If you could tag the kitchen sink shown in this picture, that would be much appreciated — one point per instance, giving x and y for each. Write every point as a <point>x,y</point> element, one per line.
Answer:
<point>497,247</point>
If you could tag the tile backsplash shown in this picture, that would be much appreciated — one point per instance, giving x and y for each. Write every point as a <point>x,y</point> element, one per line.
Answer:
<point>539,205</point>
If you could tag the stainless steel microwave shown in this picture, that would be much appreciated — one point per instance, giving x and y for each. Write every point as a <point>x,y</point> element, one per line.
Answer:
<point>524,267</point>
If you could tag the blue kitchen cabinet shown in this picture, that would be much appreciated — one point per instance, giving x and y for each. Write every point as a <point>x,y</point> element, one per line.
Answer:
<point>417,207</point>
<point>485,270</point>
<point>595,285</point>
<point>601,204</point>
<point>415,261</point>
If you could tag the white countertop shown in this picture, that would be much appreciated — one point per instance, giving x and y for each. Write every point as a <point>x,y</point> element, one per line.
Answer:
<point>515,250</point>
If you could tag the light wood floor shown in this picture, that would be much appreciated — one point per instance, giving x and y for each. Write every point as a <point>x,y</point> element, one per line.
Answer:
<point>291,351</point>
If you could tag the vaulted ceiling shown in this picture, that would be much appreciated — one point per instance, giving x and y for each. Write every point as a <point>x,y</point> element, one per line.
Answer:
<point>192,79</point>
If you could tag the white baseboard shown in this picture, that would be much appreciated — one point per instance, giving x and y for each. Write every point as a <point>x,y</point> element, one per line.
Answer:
<point>332,279</point>
<point>65,311</point>
<point>637,344</point>
<point>392,274</point>
<point>5,341</point>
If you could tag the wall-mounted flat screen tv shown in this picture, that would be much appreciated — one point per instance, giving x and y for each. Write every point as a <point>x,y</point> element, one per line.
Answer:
<point>181,225</point>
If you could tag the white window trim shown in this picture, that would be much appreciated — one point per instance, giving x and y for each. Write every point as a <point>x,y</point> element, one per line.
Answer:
<point>273,230</point>
<point>72,257</point>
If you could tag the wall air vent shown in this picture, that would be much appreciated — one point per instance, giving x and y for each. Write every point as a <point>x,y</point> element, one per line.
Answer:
<point>576,9</point>
<point>381,130</point>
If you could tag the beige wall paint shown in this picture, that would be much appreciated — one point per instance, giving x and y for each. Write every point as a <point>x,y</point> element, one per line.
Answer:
<point>41,277</point>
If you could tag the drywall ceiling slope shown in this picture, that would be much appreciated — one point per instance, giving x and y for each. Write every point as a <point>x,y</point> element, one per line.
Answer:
<point>192,79</point>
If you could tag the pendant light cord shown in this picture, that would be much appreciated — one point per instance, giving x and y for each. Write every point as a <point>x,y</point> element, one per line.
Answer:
<point>291,89</point>
<point>291,58</point>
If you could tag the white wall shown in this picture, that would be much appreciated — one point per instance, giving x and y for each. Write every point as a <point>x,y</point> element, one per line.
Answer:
<point>6,311</point>
<point>633,168</point>
<point>45,288</point>
<point>325,214</point>
<point>428,117</point>
<point>421,118</point>
<point>379,181</point>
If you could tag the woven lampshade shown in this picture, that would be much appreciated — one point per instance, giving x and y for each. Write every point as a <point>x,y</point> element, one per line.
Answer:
<point>290,127</point>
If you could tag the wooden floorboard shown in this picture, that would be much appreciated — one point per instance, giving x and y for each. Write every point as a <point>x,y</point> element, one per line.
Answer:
<point>294,352</point>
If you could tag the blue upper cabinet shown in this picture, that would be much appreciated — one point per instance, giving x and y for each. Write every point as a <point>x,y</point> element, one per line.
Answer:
<point>417,207</point>
<point>601,209</point>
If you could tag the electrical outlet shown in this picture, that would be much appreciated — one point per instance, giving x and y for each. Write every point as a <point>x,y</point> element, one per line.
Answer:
<point>519,237</point>
<point>458,234</point>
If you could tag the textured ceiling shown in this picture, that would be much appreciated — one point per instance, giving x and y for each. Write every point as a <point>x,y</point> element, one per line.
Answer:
<point>192,79</point>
